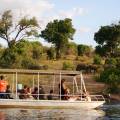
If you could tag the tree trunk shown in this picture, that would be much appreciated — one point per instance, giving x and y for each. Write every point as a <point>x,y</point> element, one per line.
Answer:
<point>11,43</point>
<point>58,53</point>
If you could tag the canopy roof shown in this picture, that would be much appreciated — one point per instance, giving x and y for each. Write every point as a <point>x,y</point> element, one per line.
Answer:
<point>40,72</point>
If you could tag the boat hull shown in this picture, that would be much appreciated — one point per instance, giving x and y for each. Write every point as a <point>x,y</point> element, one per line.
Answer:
<point>11,103</point>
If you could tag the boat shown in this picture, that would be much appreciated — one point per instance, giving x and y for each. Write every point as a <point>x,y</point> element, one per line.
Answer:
<point>77,87</point>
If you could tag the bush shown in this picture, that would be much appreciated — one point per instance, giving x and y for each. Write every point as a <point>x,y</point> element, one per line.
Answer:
<point>97,60</point>
<point>8,58</point>
<point>68,66</point>
<point>111,61</point>
<point>51,53</point>
<point>27,63</point>
<point>111,77</point>
<point>84,50</point>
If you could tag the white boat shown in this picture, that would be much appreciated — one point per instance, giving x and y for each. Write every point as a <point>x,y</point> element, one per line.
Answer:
<point>94,101</point>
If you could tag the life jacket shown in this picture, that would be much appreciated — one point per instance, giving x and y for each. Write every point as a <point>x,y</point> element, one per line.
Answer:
<point>3,85</point>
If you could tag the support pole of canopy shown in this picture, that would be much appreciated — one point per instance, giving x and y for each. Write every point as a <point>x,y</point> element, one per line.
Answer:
<point>33,82</point>
<point>73,87</point>
<point>76,84</point>
<point>54,83</point>
<point>81,85</point>
<point>16,77</point>
<point>38,84</point>
<point>60,86</point>
<point>13,82</point>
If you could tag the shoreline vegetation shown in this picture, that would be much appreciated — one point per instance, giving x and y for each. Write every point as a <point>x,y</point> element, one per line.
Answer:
<point>103,61</point>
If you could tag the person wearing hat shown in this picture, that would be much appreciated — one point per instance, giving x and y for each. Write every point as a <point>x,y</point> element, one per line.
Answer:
<point>3,86</point>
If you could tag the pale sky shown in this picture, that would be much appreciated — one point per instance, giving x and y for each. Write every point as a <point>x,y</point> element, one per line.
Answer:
<point>87,15</point>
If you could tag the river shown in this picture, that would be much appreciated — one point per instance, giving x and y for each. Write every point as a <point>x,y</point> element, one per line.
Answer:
<point>108,112</point>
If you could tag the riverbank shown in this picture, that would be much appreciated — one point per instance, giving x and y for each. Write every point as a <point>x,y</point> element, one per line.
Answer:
<point>115,98</point>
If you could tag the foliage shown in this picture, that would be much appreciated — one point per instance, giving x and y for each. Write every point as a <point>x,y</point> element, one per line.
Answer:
<point>12,32</point>
<point>101,50</point>
<point>111,62</point>
<point>97,60</point>
<point>51,53</point>
<point>8,58</point>
<point>58,33</point>
<point>22,55</point>
<point>84,50</point>
<point>37,50</point>
<point>108,38</point>
<point>111,77</point>
<point>68,65</point>
<point>71,49</point>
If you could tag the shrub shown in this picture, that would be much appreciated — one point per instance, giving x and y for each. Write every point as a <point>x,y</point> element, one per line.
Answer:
<point>68,66</point>
<point>97,60</point>
<point>27,63</point>
<point>111,77</point>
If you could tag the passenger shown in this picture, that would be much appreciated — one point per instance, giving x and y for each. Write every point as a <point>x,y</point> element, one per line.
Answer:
<point>50,96</point>
<point>8,93</point>
<point>63,88</point>
<point>88,98</point>
<point>35,93</point>
<point>3,86</point>
<point>67,93</point>
<point>29,95</point>
<point>23,93</point>
<point>41,93</point>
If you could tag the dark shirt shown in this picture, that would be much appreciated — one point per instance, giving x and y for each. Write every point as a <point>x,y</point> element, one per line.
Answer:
<point>41,94</point>
<point>8,94</point>
<point>50,97</point>
<point>35,94</point>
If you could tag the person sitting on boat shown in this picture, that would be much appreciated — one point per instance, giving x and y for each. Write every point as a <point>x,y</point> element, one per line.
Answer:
<point>29,93</point>
<point>23,93</point>
<point>35,93</point>
<point>67,93</point>
<point>86,96</point>
<point>50,96</point>
<point>62,89</point>
<point>8,93</point>
<point>3,86</point>
<point>41,93</point>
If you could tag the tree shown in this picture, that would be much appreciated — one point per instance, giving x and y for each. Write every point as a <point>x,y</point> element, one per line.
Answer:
<point>23,54</point>
<point>58,33</point>
<point>12,33</point>
<point>108,38</point>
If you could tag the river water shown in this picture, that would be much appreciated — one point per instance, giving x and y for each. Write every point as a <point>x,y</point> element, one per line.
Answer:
<point>108,112</point>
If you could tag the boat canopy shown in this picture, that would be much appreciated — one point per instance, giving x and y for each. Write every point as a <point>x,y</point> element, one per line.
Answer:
<point>41,72</point>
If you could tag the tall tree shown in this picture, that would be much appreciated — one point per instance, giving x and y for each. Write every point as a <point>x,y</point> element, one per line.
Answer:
<point>12,33</point>
<point>108,38</point>
<point>58,33</point>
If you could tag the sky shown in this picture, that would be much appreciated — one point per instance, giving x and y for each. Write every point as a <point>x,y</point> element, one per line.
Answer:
<point>87,15</point>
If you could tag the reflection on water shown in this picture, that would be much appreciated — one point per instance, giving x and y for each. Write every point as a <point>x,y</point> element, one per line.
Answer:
<point>50,114</point>
<point>108,113</point>
<point>2,116</point>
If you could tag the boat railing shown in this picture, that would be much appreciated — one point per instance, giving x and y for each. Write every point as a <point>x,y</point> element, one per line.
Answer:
<point>76,97</point>
<point>97,98</point>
